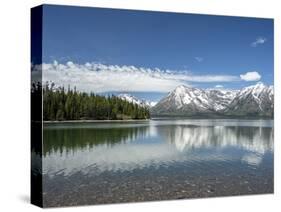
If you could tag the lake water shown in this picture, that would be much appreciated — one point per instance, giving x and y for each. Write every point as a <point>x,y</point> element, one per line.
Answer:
<point>109,162</point>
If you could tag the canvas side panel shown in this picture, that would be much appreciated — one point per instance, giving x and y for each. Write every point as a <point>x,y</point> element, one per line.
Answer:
<point>36,106</point>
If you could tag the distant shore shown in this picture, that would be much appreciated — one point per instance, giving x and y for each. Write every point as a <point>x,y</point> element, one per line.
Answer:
<point>154,118</point>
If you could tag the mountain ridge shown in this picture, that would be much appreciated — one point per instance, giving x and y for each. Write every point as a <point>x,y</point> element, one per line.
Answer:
<point>135,100</point>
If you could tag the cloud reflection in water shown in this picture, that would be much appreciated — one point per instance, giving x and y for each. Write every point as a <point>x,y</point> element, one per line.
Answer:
<point>93,151</point>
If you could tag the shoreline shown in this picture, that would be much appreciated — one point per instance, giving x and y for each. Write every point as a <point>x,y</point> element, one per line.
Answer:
<point>152,119</point>
<point>95,120</point>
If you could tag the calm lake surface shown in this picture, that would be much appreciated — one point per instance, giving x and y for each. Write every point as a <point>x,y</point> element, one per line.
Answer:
<point>108,162</point>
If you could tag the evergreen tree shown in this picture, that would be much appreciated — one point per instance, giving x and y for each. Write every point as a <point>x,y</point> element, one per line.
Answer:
<point>74,105</point>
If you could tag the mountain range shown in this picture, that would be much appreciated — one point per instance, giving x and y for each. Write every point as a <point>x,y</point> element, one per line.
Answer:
<point>255,100</point>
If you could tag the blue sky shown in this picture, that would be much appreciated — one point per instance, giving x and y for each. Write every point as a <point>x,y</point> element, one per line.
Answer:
<point>163,48</point>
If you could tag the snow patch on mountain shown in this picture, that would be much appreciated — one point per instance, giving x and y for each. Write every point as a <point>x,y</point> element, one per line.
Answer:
<point>220,98</point>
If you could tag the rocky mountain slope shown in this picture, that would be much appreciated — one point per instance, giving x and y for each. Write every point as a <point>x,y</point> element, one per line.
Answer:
<point>256,100</point>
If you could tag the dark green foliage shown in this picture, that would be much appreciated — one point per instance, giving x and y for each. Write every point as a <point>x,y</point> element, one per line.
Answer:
<point>59,105</point>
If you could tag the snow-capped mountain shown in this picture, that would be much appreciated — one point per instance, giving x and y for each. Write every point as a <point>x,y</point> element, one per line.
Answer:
<point>183,100</point>
<point>135,100</point>
<point>187,100</point>
<point>253,100</point>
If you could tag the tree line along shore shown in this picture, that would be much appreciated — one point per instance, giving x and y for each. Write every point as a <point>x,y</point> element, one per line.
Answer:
<point>60,104</point>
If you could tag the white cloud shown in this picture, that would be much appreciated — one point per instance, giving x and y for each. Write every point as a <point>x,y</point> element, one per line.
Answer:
<point>219,86</point>
<point>258,41</point>
<point>251,76</point>
<point>199,59</point>
<point>98,77</point>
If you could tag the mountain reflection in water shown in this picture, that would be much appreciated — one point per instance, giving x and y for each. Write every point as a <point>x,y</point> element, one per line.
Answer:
<point>95,148</point>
